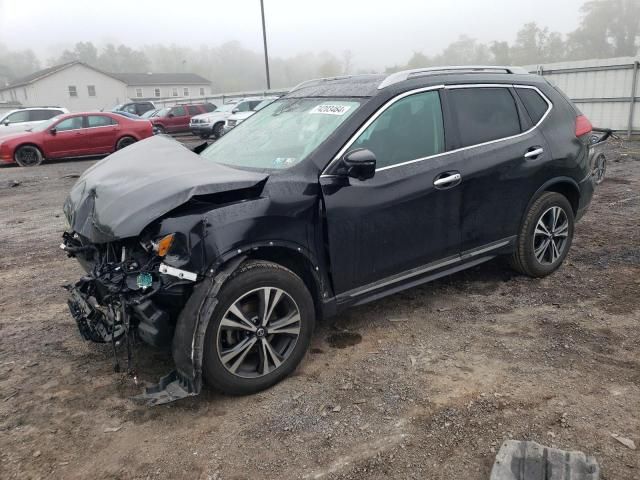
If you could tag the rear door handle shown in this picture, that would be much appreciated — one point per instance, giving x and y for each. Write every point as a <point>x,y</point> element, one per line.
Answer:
<point>534,152</point>
<point>447,180</point>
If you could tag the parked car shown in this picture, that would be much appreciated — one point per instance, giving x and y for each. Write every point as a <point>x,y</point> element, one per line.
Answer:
<point>236,118</point>
<point>73,135</point>
<point>176,118</point>
<point>128,115</point>
<point>149,114</point>
<point>24,118</point>
<point>212,124</point>
<point>339,193</point>
<point>137,108</point>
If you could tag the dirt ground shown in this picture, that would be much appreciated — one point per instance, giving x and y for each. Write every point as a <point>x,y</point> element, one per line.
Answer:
<point>425,384</point>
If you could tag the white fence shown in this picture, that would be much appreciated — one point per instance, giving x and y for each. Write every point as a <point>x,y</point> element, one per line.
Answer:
<point>605,90</point>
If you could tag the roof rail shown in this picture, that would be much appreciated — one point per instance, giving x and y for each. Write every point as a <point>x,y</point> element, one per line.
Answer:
<point>405,74</point>
<point>317,81</point>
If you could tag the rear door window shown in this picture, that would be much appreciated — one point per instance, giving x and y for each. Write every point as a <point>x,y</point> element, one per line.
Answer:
<point>484,114</point>
<point>99,121</point>
<point>410,129</point>
<point>535,105</point>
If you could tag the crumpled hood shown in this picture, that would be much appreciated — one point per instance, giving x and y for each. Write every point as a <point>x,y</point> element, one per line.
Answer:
<point>122,194</point>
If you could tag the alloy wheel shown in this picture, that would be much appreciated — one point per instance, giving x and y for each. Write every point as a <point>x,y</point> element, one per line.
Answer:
<point>258,332</point>
<point>551,235</point>
<point>28,156</point>
<point>600,169</point>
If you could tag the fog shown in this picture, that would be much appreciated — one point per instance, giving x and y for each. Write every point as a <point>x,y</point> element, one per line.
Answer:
<point>377,33</point>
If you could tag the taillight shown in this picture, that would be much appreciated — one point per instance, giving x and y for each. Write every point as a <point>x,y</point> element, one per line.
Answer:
<point>583,125</point>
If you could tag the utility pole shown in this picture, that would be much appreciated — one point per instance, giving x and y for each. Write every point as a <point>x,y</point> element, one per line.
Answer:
<point>264,40</point>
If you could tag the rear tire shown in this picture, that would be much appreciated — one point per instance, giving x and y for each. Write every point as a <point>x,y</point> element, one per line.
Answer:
<point>545,236</point>
<point>247,355</point>
<point>28,156</point>
<point>125,142</point>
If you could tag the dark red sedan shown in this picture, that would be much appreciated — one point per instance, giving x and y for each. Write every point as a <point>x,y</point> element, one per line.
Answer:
<point>73,135</point>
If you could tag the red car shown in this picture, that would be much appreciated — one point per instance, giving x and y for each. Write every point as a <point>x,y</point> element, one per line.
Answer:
<point>73,135</point>
<point>177,118</point>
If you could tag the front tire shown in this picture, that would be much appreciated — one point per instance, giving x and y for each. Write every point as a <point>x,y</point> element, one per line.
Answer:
<point>218,130</point>
<point>260,329</point>
<point>160,130</point>
<point>545,236</point>
<point>28,156</point>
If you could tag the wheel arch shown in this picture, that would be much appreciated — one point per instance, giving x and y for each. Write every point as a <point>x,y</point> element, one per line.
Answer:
<point>565,186</point>
<point>29,144</point>
<point>126,135</point>
<point>296,258</point>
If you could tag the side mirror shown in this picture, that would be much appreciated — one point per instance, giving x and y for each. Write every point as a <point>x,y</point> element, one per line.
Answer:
<point>170,115</point>
<point>360,163</point>
<point>53,131</point>
<point>6,123</point>
<point>235,110</point>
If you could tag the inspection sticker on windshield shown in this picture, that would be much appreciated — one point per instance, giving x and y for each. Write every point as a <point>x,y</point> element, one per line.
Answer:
<point>329,109</point>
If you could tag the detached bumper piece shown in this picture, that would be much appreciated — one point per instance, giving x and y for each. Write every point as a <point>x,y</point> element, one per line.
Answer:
<point>521,460</point>
<point>170,388</point>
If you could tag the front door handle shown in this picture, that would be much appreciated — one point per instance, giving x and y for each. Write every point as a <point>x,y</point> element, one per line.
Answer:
<point>447,180</point>
<point>533,153</point>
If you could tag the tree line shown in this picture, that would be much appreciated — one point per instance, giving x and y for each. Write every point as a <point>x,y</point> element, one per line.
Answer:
<point>608,28</point>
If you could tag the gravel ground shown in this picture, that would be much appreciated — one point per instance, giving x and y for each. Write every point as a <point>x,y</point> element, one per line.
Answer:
<point>423,384</point>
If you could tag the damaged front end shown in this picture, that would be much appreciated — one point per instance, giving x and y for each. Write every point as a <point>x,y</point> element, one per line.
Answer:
<point>128,293</point>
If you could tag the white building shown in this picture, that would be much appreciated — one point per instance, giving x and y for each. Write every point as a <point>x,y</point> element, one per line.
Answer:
<point>80,87</point>
<point>150,86</point>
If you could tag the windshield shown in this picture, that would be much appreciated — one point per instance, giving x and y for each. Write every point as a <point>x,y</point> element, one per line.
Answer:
<point>281,134</point>
<point>227,107</point>
<point>264,103</point>
<point>149,113</point>
<point>45,125</point>
<point>162,112</point>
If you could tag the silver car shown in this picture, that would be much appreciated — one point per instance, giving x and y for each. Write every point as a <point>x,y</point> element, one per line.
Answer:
<point>25,118</point>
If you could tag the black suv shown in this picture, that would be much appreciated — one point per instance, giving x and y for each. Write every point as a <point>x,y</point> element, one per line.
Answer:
<point>343,191</point>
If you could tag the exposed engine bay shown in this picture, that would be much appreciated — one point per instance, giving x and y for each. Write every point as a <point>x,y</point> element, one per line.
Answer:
<point>128,294</point>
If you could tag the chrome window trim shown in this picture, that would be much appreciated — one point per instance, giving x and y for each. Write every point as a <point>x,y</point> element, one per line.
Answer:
<point>382,109</point>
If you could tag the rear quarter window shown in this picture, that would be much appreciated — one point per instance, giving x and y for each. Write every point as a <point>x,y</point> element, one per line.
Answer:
<point>535,105</point>
<point>484,114</point>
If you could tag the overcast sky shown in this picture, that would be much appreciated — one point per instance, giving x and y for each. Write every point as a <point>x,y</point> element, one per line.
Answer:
<point>379,33</point>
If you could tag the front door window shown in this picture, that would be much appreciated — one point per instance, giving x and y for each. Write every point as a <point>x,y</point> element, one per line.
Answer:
<point>410,129</point>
